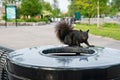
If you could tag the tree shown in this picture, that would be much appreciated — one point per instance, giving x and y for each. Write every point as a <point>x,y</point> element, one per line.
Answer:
<point>116,4</point>
<point>31,7</point>
<point>113,7</point>
<point>55,4</point>
<point>5,2</point>
<point>89,7</point>
<point>46,9</point>
<point>46,6</point>
<point>56,10</point>
<point>71,8</point>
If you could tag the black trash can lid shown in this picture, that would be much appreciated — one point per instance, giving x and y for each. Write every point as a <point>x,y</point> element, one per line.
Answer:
<point>37,58</point>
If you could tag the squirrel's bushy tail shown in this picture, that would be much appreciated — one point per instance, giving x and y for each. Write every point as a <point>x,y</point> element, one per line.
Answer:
<point>62,29</point>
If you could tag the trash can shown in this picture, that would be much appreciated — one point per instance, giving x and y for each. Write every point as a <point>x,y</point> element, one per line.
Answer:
<point>64,63</point>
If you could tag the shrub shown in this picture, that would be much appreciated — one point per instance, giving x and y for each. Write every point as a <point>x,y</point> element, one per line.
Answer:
<point>32,20</point>
<point>20,20</point>
<point>44,20</point>
<point>3,17</point>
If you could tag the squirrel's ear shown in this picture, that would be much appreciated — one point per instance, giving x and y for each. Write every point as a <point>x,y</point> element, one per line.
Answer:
<point>87,30</point>
<point>81,30</point>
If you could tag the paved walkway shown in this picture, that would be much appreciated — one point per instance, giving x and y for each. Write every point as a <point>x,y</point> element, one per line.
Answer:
<point>31,36</point>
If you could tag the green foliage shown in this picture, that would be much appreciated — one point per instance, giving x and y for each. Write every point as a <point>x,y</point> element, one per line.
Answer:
<point>5,2</point>
<point>32,20</point>
<point>19,12</point>
<point>70,10</point>
<point>3,17</point>
<point>20,20</point>
<point>31,7</point>
<point>29,20</point>
<point>114,7</point>
<point>88,7</point>
<point>55,10</point>
<point>116,4</point>
<point>11,20</point>
<point>44,20</point>
<point>46,6</point>
<point>37,20</point>
<point>105,31</point>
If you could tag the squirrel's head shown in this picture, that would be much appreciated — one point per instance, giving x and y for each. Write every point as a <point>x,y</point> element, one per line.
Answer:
<point>84,34</point>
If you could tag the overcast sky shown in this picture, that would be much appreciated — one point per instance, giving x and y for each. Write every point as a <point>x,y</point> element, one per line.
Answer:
<point>63,4</point>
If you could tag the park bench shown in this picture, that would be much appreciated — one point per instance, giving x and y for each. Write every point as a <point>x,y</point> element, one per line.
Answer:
<point>3,55</point>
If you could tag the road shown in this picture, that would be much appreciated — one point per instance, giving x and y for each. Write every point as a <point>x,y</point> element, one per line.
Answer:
<point>31,36</point>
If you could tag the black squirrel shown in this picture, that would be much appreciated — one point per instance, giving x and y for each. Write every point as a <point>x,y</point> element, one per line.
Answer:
<point>67,35</point>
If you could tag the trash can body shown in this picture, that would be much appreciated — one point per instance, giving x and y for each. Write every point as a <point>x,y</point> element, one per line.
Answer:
<point>43,63</point>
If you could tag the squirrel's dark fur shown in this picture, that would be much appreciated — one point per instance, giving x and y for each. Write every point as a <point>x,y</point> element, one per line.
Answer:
<point>67,35</point>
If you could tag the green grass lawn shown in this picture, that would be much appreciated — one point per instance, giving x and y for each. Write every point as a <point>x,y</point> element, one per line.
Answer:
<point>106,30</point>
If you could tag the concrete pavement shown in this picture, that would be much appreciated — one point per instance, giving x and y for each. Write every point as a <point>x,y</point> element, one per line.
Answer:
<point>104,42</point>
<point>31,36</point>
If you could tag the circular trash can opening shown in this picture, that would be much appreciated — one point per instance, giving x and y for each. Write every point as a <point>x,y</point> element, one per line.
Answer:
<point>68,51</point>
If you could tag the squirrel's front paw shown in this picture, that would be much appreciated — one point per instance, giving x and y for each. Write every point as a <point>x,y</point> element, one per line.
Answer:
<point>91,45</point>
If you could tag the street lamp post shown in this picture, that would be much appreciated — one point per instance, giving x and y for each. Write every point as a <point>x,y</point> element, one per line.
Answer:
<point>98,14</point>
